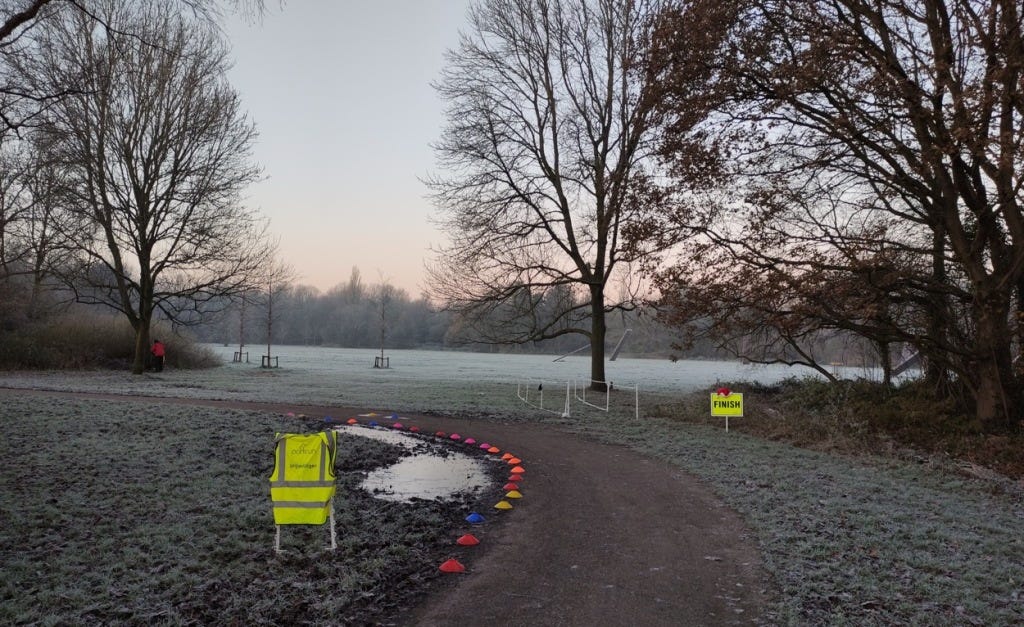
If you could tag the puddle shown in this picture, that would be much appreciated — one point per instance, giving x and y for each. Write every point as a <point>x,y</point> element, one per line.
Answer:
<point>421,475</point>
<point>390,436</point>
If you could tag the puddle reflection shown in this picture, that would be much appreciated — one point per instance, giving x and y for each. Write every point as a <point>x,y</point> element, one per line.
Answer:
<point>422,476</point>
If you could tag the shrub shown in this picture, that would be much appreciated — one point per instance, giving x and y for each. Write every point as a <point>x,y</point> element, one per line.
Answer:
<point>91,341</point>
<point>861,417</point>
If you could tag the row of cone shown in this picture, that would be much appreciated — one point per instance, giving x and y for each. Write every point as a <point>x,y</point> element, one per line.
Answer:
<point>512,460</point>
<point>512,487</point>
<point>513,492</point>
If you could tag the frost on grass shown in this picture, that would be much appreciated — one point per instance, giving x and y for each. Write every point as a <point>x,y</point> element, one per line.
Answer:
<point>866,541</point>
<point>862,541</point>
<point>114,513</point>
<point>418,379</point>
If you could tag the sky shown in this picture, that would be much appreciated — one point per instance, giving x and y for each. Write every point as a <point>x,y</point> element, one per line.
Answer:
<point>340,94</point>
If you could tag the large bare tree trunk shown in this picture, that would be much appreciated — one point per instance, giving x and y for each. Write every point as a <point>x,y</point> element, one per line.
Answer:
<point>1018,360</point>
<point>885,361</point>
<point>598,330</point>
<point>996,399</point>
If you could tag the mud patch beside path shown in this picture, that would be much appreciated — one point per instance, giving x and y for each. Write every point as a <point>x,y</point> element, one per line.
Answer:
<point>603,536</point>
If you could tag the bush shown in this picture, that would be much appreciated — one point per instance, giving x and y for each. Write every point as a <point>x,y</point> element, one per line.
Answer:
<point>77,342</point>
<point>861,417</point>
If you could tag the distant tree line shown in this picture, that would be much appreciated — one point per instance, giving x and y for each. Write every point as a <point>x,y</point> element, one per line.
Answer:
<point>350,315</point>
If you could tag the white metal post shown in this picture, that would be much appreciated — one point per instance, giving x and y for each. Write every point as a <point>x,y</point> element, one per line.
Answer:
<point>334,534</point>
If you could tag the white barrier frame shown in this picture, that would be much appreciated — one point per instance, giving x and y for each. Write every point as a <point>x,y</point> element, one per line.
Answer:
<point>334,533</point>
<point>607,396</point>
<point>583,398</point>
<point>573,391</point>
<point>523,393</point>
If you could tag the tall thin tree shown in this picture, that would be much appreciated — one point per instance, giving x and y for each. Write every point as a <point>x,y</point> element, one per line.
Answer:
<point>547,169</point>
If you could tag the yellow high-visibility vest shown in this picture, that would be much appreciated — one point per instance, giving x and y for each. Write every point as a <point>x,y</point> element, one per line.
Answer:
<point>302,484</point>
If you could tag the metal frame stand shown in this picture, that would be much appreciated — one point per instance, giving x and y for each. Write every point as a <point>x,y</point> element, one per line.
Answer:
<point>334,533</point>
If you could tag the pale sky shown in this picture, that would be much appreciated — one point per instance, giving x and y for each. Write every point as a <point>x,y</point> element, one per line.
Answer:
<point>340,93</point>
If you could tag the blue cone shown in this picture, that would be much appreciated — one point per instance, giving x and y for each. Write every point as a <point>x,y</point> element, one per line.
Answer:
<point>373,423</point>
<point>328,419</point>
<point>474,518</point>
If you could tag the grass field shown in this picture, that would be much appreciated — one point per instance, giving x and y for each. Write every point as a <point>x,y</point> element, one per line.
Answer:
<point>865,539</point>
<point>114,513</point>
<point>856,541</point>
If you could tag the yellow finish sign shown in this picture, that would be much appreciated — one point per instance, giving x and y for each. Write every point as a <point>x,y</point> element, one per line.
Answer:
<point>727,405</point>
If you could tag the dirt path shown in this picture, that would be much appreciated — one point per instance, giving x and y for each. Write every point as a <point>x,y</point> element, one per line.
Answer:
<point>603,536</point>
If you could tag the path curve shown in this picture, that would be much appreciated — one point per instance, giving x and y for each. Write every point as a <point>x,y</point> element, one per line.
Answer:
<point>603,536</point>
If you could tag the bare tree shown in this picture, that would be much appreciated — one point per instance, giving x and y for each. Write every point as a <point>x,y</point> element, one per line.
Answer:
<point>14,205</point>
<point>158,150</point>
<point>32,213</point>
<point>547,153</point>
<point>383,296</point>
<point>770,303</point>
<point>274,281</point>
<point>22,103</point>
<point>14,213</point>
<point>50,248</point>
<point>268,289</point>
<point>905,120</point>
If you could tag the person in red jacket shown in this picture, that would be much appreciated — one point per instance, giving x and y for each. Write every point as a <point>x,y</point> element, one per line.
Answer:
<point>158,355</point>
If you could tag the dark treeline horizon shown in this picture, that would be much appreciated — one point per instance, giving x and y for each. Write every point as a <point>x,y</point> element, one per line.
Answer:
<point>349,315</point>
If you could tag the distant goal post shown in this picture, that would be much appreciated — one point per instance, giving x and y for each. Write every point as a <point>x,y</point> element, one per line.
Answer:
<point>581,389</point>
<point>616,397</point>
<point>532,393</point>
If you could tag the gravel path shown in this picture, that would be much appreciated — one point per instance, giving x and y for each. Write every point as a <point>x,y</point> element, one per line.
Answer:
<point>603,536</point>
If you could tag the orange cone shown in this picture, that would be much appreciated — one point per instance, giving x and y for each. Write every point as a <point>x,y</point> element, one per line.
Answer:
<point>506,456</point>
<point>452,566</point>
<point>467,540</point>
<point>353,421</point>
<point>518,470</point>
<point>494,449</point>
<point>513,461</point>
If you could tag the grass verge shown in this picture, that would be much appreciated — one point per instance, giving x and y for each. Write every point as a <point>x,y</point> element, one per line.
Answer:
<point>139,514</point>
<point>863,540</point>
